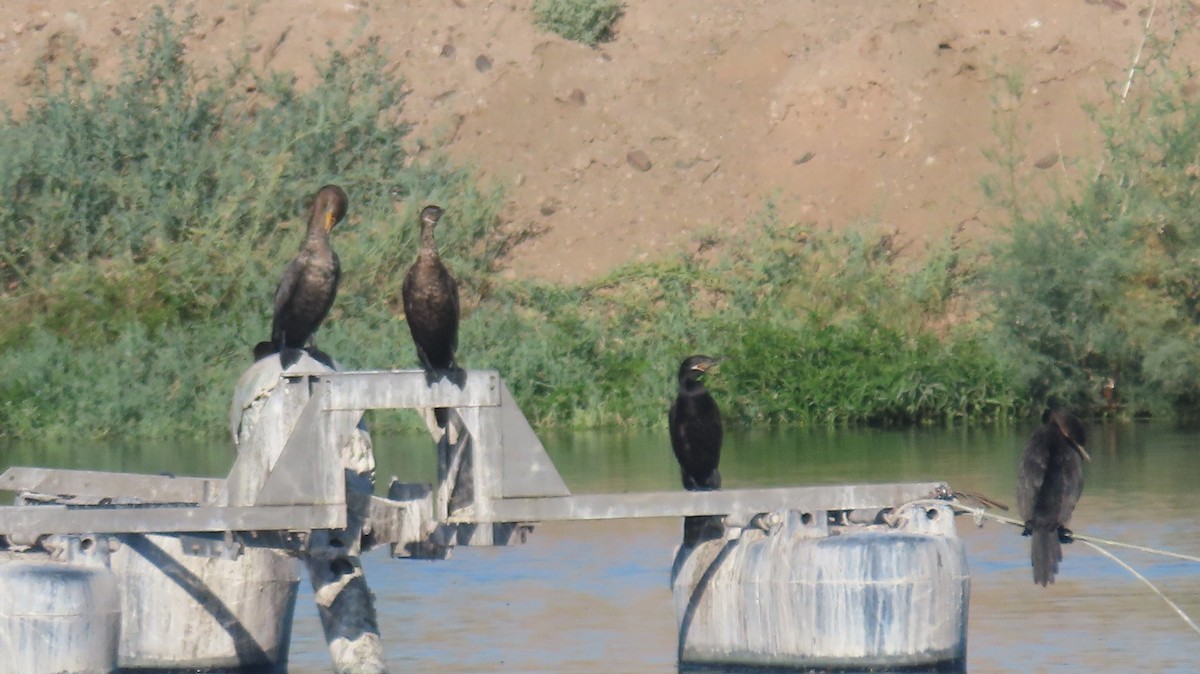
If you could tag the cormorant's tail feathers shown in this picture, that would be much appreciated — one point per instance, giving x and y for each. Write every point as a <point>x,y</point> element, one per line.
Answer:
<point>321,357</point>
<point>289,357</point>
<point>1045,552</point>
<point>457,376</point>
<point>710,482</point>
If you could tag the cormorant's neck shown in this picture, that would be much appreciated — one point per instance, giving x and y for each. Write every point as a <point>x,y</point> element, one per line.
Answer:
<point>428,245</point>
<point>691,386</point>
<point>318,244</point>
<point>317,234</point>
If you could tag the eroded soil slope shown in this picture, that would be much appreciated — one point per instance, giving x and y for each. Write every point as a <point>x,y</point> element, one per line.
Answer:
<point>698,111</point>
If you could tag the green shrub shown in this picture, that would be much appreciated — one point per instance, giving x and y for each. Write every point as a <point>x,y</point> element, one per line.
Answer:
<point>1099,283</point>
<point>586,21</point>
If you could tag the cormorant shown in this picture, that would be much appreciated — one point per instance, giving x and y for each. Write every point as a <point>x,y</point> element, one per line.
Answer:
<point>695,425</point>
<point>695,422</point>
<point>431,310</point>
<point>309,282</point>
<point>1049,485</point>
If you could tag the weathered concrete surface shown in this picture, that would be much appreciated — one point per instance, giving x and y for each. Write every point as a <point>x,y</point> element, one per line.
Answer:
<point>793,592</point>
<point>261,422</point>
<point>58,615</point>
<point>234,613</point>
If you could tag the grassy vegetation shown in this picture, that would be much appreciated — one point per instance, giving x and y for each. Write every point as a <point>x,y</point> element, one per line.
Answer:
<point>813,329</point>
<point>149,220</point>
<point>587,21</point>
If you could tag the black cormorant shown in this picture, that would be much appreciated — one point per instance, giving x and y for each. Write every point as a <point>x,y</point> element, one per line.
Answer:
<point>695,422</point>
<point>309,282</point>
<point>695,425</point>
<point>1049,485</point>
<point>431,309</point>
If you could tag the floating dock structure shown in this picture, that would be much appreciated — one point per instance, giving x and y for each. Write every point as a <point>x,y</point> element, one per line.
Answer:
<point>844,576</point>
<point>828,590</point>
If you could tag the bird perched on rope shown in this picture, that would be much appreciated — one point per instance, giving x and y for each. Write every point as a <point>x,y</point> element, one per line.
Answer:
<point>309,283</point>
<point>695,425</point>
<point>431,309</point>
<point>1048,487</point>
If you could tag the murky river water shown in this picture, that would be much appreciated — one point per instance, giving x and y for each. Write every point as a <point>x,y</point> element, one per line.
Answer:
<point>594,597</point>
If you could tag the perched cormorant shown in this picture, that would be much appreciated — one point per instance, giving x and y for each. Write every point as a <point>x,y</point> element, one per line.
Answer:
<point>431,309</point>
<point>1049,485</point>
<point>695,425</point>
<point>309,282</point>
<point>695,422</point>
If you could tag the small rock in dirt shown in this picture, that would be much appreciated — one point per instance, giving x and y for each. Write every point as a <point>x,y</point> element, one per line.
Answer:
<point>638,160</point>
<point>577,97</point>
<point>548,205</point>
<point>805,158</point>
<point>483,63</point>
<point>1047,161</point>
<point>447,51</point>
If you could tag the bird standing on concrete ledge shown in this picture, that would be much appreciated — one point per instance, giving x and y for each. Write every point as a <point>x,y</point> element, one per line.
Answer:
<point>431,308</point>
<point>309,283</point>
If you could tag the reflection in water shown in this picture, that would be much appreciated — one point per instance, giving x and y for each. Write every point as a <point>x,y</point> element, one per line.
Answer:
<point>595,597</point>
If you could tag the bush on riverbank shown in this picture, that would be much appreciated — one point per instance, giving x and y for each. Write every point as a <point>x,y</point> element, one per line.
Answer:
<point>1098,285</point>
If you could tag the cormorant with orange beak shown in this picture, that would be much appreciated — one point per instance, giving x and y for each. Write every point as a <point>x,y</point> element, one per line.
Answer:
<point>309,283</point>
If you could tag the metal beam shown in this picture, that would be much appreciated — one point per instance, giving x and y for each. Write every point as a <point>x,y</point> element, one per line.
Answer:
<point>525,470</point>
<point>683,503</point>
<point>100,484</point>
<point>407,389</point>
<point>56,519</point>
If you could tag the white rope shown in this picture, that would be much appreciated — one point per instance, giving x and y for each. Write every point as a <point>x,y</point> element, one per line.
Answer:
<point>1091,541</point>
<point>980,513</point>
<point>1142,578</point>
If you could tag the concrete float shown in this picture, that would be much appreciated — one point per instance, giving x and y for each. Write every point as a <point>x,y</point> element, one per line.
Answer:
<point>827,590</point>
<point>185,612</point>
<point>58,607</point>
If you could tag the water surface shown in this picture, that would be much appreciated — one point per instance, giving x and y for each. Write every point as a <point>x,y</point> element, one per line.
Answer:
<point>594,597</point>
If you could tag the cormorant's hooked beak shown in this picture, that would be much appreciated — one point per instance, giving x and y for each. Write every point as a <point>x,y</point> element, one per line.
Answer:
<point>330,220</point>
<point>1079,448</point>
<point>1075,444</point>
<point>706,365</point>
<point>430,215</point>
